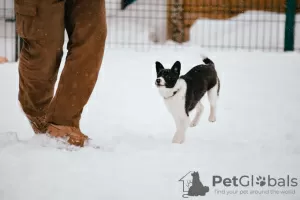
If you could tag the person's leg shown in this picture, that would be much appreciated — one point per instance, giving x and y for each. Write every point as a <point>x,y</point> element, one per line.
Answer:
<point>41,25</point>
<point>86,26</point>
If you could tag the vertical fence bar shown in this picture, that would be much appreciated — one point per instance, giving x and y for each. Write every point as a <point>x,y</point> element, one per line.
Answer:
<point>16,47</point>
<point>289,36</point>
<point>5,31</point>
<point>17,40</point>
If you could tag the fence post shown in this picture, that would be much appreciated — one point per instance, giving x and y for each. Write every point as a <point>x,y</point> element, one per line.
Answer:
<point>289,36</point>
<point>17,45</point>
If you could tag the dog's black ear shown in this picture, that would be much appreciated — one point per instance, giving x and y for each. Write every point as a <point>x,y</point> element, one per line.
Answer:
<point>176,67</point>
<point>159,67</point>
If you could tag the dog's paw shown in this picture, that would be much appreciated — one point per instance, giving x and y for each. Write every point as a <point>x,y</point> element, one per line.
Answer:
<point>194,123</point>
<point>178,139</point>
<point>212,118</point>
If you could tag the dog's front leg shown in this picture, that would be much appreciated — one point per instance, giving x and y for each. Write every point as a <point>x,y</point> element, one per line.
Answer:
<point>182,124</point>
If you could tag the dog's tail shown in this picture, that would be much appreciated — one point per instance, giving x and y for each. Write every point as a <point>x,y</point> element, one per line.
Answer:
<point>207,61</point>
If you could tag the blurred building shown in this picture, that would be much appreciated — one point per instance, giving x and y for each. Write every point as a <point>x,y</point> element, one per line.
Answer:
<point>182,14</point>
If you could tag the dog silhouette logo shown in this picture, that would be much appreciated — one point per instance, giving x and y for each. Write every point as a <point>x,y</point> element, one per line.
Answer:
<point>192,186</point>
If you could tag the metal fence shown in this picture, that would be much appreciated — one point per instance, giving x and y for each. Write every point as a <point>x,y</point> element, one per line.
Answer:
<point>211,24</point>
<point>267,25</point>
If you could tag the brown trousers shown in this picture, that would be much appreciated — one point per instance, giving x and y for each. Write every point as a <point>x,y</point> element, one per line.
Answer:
<point>182,14</point>
<point>41,24</point>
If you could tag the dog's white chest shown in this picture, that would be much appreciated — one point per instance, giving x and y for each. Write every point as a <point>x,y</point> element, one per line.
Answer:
<point>176,104</point>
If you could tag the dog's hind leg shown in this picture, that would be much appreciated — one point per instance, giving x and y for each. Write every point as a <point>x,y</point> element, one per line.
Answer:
<point>182,124</point>
<point>199,110</point>
<point>212,98</point>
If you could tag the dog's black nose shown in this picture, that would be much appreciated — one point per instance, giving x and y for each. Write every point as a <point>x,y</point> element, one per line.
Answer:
<point>158,81</point>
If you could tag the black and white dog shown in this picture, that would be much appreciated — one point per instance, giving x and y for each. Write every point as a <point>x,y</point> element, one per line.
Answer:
<point>182,94</point>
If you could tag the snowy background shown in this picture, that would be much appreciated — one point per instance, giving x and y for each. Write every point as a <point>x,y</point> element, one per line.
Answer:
<point>256,133</point>
<point>133,27</point>
<point>251,30</point>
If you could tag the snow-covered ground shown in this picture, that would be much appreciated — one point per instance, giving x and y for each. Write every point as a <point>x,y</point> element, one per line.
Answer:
<point>256,133</point>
